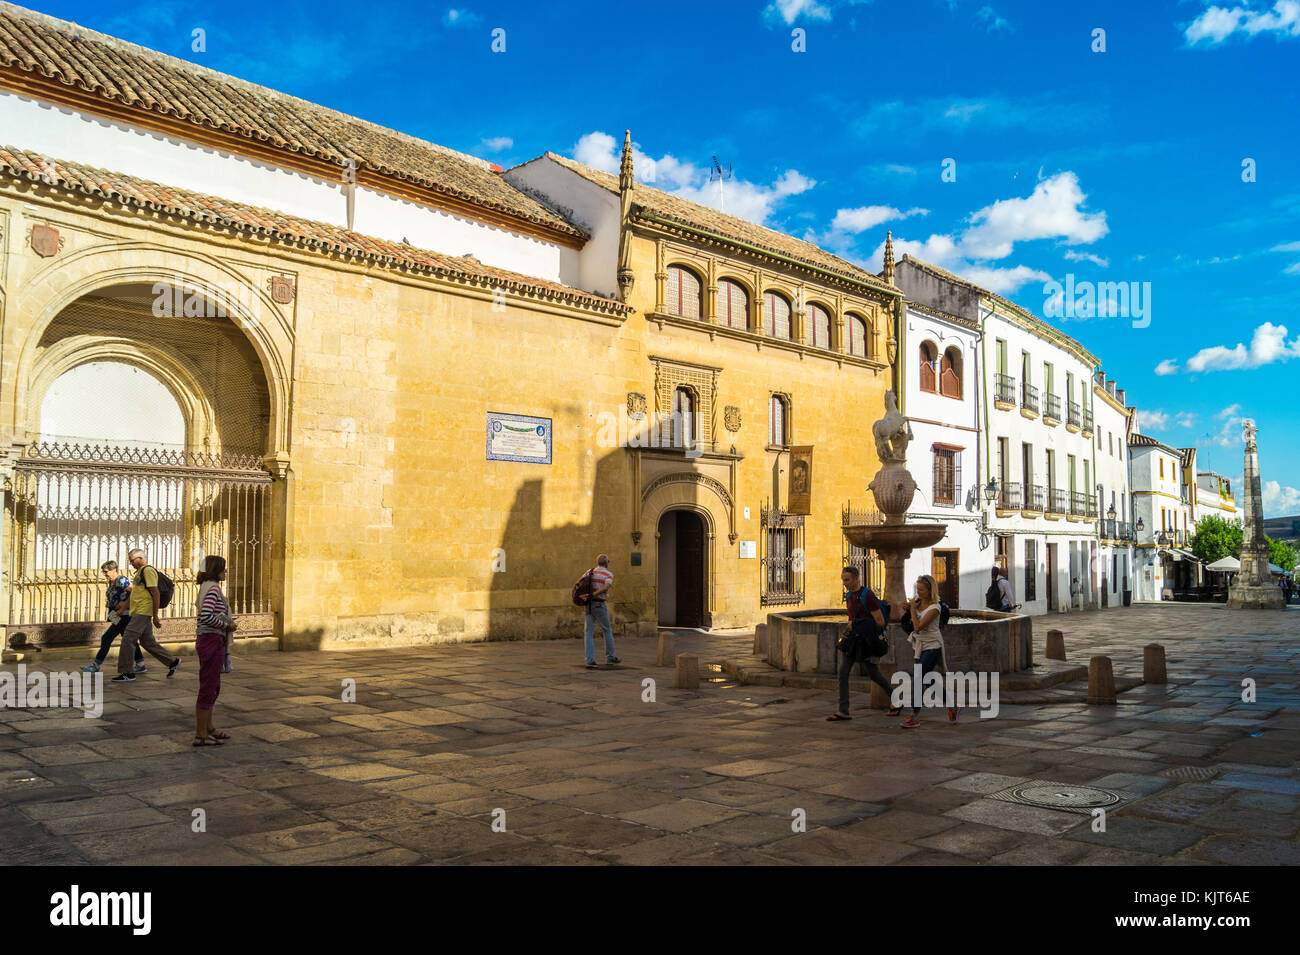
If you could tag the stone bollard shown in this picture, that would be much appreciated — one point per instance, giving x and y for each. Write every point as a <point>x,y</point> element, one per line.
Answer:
<point>879,698</point>
<point>1055,645</point>
<point>665,658</point>
<point>1153,664</point>
<point>1101,681</point>
<point>760,640</point>
<point>688,672</point>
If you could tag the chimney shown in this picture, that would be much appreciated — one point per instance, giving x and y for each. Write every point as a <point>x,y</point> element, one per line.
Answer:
<point>1110,387</point>
<point>1119,395</point>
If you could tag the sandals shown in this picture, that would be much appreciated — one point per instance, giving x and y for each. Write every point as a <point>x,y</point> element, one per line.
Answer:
<point>837,717</point>
<point>205,741</point>
<point>218,734</point>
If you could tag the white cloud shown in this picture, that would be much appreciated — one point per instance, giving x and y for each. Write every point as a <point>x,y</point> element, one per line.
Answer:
<point>1167,367</point>
<point>1292,269</point>
<point>1216,24</point>
<point>460,18</point>
<point>1279,501</point>
<point>790,10</point>
<point>497,143</point>
<point>1185,419</point>
<point>1228,412</point>
<point>737,197</point>
<point>865,217</point>
<point>1050,212</point>
<point>1003,281</point>
<point>1286,247</point>
<point>996,24</point>
<point>1268,345</point>
<point>1072,256</point>
<point>1151,420</point>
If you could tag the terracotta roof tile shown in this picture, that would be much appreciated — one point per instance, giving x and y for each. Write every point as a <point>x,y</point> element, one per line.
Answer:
<point>315,236</point>
<point>138,78</point>
<point>693,214</point>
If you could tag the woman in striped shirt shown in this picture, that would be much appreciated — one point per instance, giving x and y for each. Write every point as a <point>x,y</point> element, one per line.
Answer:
<point>215,622</point>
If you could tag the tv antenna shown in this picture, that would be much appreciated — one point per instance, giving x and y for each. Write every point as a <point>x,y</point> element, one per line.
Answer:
<point>719,175</point>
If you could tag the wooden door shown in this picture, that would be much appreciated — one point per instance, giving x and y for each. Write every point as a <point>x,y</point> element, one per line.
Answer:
<point>946,575</point>
<point>690,570</point>
<point>1051,578</point>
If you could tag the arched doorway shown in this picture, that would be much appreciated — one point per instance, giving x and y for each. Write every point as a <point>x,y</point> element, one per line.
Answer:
<point>147,428</point>
<point>681,569</point>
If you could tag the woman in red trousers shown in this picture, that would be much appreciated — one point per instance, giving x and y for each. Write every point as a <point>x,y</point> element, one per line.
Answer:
<point>215,622</point>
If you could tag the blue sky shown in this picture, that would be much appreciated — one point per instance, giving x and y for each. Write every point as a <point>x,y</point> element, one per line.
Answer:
<point>1123,165</point>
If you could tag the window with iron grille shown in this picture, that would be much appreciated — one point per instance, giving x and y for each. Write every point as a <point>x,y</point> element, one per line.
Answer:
<point>947,475</point>
<point>733,305</point>
<point>871,569</point>
<point>1031,569</point>
<point>781,562</point>
<point>683,293</point>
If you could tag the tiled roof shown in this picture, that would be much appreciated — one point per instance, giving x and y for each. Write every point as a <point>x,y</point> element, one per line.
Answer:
<point>1146,441</point>
<point>1051,329</point>
<point>143,81</point>
<point>314,236</point>
<point>694,215</point>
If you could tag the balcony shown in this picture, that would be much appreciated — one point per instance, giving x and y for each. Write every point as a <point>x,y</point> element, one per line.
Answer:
<point>1087,423</point>
<point>1075,418</point>
<point>1009,497</point>
<point>1115,530</point>
<point>1092,508</point>
<point>1078,504</point>
<point>1055,501</point>
<point>1028,400</point>
<point>1035,497</point>
<point>1052,409</point>
<point>1004,392</point>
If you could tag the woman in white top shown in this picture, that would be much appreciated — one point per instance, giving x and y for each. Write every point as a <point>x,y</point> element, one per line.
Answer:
<point>927,640</point>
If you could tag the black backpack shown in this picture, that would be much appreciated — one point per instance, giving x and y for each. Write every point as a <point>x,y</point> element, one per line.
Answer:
<point>871,636</point>
<point>944,614</point>
<point>583,588</point>
<point>993,597</point>
<point>165,587</point>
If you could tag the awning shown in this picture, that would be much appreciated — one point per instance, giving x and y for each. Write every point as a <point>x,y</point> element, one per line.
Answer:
<point>1228,565</point>
<point>1177,553</point>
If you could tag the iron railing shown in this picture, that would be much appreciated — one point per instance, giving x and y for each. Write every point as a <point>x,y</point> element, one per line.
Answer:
<point>1034,497</point>
<point>1004,388</point>
<point>1052,406</point>
<point>1056,500</point>
<point>1075,414</point>
<point>1087,421</point>
<point>870,567</point>
<point>1078,503</point>
<point>1028,397</point>
<point>1009,496</point>
<point>781,561</point>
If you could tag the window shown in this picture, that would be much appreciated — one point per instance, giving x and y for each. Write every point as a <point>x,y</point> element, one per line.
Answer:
<point>683,419</point>
<point>857,336</point>
<point>929,363</point>
<point>733,305</point>
<point>777,415</point>
<point>1162,469</point>
<point>683,295</point>
<point>947,474</point>
<point>950,377</point>
<point>1002,356</point>
<point>781,562</point>
<point>819,326</point>
<point>1031,569</point>
<point>776,316</point>
<point>1110,442</point>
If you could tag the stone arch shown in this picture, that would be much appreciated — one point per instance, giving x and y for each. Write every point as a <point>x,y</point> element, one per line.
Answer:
<point>703,496</point>
<point>175,374</point>
<point>70,277</point>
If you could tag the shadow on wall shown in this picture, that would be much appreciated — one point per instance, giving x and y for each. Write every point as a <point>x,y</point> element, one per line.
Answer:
<point>531,598</point>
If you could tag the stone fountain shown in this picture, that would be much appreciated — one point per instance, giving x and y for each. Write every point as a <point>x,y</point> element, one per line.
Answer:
<point>893,489</point>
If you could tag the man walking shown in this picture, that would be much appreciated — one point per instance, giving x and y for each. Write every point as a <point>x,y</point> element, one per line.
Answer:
<point>119,587</point>
<point>602,582</point>
<point>861,602</point>
<point>144,604</point>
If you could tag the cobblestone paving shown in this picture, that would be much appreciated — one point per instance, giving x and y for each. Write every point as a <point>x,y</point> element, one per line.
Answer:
<point>588,773</point>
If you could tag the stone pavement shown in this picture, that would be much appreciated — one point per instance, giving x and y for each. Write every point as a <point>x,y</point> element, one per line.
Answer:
<point>588,773</point>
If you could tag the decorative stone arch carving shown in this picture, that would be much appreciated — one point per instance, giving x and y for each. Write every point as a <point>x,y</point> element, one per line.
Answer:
<point>173,371</point>
<point>686,489</point>
<point>82,272</point>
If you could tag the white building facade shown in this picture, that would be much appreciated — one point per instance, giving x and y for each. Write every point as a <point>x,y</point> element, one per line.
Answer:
<point>1113,422</point>
<point>1164,495</point>
<point>942,387</point>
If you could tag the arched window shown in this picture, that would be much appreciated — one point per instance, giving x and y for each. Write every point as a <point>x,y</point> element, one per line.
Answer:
<point>776,316</point>
<point>950,375</point>
<point>683,418</point>
<point>683,295</point>
<point>929,361</point>
<point>819,326</point>
<point>733,304</point>
<point>777,415</point>
<point>857,336</point>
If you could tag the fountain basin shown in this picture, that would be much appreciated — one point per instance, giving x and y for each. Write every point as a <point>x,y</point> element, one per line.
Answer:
<point>883,538</point>
<point>982,641</point>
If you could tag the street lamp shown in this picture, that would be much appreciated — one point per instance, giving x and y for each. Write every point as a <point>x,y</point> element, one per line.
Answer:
<point>991,490</point>
<point>1110,513</point>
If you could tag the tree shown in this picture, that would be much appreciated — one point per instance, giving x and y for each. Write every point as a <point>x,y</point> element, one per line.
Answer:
<point>1216,538</point>
<point>1281,554</point>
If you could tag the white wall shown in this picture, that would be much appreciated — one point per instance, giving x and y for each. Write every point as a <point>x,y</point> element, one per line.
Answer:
<point>62,133</point>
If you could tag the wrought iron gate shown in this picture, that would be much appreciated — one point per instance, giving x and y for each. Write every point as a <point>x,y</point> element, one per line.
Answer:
<point>870,567</point>
<point>72,507</point>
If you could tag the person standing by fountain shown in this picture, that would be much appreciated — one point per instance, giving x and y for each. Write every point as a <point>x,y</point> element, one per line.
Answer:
<point>861,603</point>
<point>927,642</point>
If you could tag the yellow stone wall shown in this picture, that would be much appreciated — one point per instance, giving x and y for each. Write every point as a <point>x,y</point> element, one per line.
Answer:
<point>390,518</point>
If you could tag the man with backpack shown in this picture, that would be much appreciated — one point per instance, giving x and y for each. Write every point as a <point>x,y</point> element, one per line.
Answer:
<point>592,591</point>
<point>146,602</point>
<point>864,613</point>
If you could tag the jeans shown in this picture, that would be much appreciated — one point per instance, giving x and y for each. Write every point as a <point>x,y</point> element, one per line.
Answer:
<point>111,634</point>
<point>929,660</point>
<point>873,674</point>
<point>598,612</point>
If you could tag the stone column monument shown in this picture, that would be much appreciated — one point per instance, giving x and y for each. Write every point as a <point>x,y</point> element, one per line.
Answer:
<point>1254,588</point>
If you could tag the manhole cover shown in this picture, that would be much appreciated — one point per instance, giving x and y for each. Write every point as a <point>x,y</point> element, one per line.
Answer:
<point>1191,772</point>
<point>1066,797</point>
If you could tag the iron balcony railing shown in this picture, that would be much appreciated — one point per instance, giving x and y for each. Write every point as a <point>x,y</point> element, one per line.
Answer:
<point>1052,406</point>
<point>1028,397</point>
<point>1087,421</point>
<point>1076,414</point>
<point>1056,500</point>
<point>1005,388</point>
<point>1106,529</point>
<point>1116,530</point>
<point>1034,497</point>
<point>1078,503</point>
<point>1009,496</point>
<point>1092,507</point>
